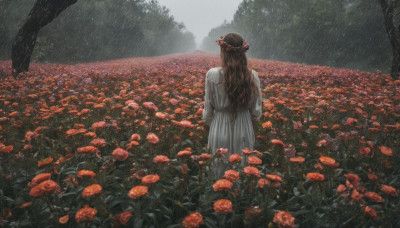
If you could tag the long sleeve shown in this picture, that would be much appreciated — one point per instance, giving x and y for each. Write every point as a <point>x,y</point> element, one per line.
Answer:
<point>208,111</point>
<point>256,108</point>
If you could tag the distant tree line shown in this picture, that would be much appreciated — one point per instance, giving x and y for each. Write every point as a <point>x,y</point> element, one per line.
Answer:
<point>94,30</point>
<point>339,33</point>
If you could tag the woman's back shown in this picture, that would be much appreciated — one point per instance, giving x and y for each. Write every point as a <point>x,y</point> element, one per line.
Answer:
<point>224,133</point>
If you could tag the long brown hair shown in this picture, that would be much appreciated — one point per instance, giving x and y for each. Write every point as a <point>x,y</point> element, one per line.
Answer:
<point>238,79</point>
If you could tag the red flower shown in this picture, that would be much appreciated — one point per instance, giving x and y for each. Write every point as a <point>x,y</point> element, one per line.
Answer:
<point>150,106</point>
<point>235,158</point>
<point>120,154</point>
<point>251,171</point>
<point>39,178</point>
<point>88,150</point>
<point>160,159</point>
<point>263,182</point>
<point>298,160</point>
<point>152,138</point>
<point>222,185</point>
<point>91,190</point>
<point>135,137</point>
<point>370,212</point>
<point>150,179</point>
<point>223,206</point>
<point>253,160</point>
<point>85,173</point>
<point>389,190</point>
<point>98,142</point>
<point>205,156</point>
<point>138,191</point>
<point>125,216</point>
<point>252,212</point>
<point>86,213</point>
<point>231,175</point>
<point>184,153</point>
<point>283,219</point>
<point>277,142</point>
<point>193,220</point>
<point>315,177</point>
<point>386,151</point>
<point>274,177</point>
<point>373,196</point>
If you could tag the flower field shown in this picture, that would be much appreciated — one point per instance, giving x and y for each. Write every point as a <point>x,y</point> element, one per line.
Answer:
<point>122,143</point>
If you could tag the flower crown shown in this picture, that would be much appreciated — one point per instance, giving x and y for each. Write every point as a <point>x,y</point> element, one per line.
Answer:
<point>229,47</point>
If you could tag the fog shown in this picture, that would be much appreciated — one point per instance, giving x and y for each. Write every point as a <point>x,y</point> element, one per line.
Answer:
<point>200,16</point>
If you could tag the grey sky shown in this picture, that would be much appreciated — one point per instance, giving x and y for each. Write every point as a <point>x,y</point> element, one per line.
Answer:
<point>200,16</point>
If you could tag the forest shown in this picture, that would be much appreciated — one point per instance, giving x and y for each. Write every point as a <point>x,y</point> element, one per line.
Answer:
<point>338,33</point>
<point>95,30</point>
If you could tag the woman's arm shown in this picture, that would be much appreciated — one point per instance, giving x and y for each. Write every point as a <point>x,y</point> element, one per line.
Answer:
<point>256,108</point>
<point>208,111</point>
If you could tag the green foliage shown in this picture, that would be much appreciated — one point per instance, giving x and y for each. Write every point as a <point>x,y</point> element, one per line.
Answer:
<point>345,33</point>
<point>94,30</point>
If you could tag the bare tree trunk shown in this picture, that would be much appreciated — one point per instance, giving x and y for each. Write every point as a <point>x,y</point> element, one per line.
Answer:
<point>42,13</point>
<point>391,14</point>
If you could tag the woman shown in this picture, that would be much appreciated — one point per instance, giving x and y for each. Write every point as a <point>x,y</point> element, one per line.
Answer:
<point>232,101</point>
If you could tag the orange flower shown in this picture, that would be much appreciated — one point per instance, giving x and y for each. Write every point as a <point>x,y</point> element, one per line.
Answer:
<point>253,160</point>
<point>205,156</point>
<point>183,123</point>
<point>138,191</point>
<point>355,195</point>
<point>135,137</point>
<point>315,177</point>
<point>274,177</point>
<point>373,196</point>
<point>88,150</point>
<point>160,159</point>
<point>150,106</point>
<point>6,149</point>
<point>223,206</point>
<point>64,219</point>
<point>372,177</point>
<point>365,151</point>
<point>267,125</point>
<point>99,125</point>
<point>45,161</point>
<point>85,173</point>
<point>98,142</point>
<point>252,212</point>
<point>386,150</point>
<point>341,188</point>
<point>263,182</point>
<point>45,186</point>
<point>277,142</point>
<point>184,153</point>
<point>251,171</point>
<point>152,138</point>
<point>161,115</point>
<point>39,178</point>
<point>193,220</point>
<point>222,185</point>
<point>125,216</point>
<point>389,190</point>
<point>150,179</point>
<point>231,175</point>
<point>283,219</point>
<point>371,212</point>
<point>235,158</point>
<point>328,161</point>
<point>120,154</point>
<point>85,214</point>
<point>91,190</point>
<point>298,160</point>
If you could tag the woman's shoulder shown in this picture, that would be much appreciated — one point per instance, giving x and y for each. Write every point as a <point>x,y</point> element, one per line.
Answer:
<point>214,74</point>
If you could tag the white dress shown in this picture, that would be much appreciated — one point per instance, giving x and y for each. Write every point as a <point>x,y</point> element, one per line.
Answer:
<point>235,135</point>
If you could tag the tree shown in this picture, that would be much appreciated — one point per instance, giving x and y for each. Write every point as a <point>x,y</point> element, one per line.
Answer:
<point>42,13</point>
<point>391,14</point>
